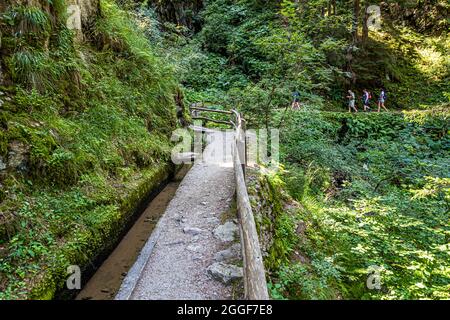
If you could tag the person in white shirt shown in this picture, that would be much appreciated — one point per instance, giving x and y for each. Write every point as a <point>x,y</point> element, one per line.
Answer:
<point>351,101</point>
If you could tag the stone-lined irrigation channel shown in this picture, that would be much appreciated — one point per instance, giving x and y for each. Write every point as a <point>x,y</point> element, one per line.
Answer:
<point>185,245</point>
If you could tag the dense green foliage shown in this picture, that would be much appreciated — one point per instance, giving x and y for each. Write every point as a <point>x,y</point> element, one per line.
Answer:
<point>375,192</point>
<point>86,121</point>
<point>92,122</point>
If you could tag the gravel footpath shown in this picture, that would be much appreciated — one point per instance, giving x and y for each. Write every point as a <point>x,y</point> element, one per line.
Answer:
<point>180,260</point>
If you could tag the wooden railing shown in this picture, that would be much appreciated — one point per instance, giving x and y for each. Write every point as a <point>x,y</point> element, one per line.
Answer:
<point>255,285</point>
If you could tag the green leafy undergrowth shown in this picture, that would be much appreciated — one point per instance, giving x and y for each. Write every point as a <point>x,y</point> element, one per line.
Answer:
<point>375,194</point>
<point>370,193</point>
<point>88,144</point>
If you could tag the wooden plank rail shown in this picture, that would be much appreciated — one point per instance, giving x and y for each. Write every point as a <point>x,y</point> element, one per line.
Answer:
<point>255,285</point>
<point>212,120</point>
<point>211,110</point>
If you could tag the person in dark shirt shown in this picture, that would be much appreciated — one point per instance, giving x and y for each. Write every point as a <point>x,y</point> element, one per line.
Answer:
<point>296,102</point>
<point>366,99</point>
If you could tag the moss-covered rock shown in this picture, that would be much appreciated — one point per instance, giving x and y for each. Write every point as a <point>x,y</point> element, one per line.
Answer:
<point>274,217</point>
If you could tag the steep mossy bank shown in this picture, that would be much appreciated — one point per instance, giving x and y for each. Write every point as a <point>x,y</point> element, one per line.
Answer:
<point>282,229</point>
<point>85,123</point>
<point>87,247</point>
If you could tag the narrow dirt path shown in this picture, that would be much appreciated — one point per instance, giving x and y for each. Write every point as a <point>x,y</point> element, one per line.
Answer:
<point>186,256</point>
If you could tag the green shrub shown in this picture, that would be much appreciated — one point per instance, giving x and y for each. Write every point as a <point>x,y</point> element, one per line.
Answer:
<point>388,210</point>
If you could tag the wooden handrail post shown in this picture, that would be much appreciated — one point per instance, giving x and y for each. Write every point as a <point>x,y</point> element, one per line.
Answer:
<point>244,129</point>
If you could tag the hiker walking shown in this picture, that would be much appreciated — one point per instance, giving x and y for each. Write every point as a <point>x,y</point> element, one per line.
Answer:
<point>366,99</point>
<point>351,101</point>
<point>382,100</point>
<point>296,102</point>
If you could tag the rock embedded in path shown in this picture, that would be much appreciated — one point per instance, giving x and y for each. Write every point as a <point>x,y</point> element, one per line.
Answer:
<point>226,232</point>
<point>180,219</point>
<point>225,273</point>
<point>192,231</point>
<point>194,248</point>
<point>233,252</point>
<point>174,243</point>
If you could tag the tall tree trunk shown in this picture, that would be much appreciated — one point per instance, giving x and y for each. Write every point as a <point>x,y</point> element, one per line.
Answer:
<point>333,4</point>
<point>365,27</point>
<point>267,110</point>
<point>356,9</point>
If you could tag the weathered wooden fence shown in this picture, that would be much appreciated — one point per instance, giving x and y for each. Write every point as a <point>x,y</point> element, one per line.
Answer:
<point>255,285</point>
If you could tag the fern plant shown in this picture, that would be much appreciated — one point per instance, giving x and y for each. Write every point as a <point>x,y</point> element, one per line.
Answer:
<point>30,19</point>
<point>27,67</point>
